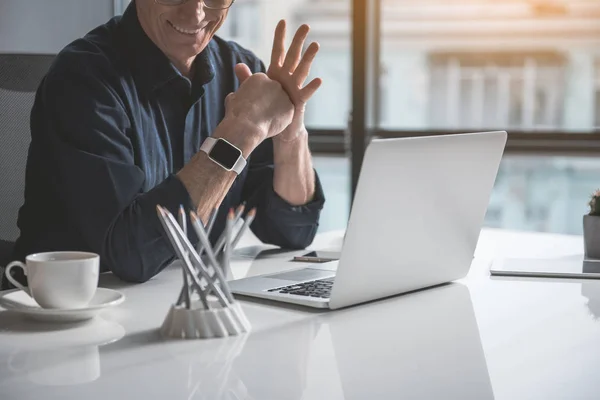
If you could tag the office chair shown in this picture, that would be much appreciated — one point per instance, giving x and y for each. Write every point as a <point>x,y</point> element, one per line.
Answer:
<point>20,75</point>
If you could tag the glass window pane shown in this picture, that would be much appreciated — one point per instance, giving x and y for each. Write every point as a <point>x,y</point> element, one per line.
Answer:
<point>531,193</point>
<point>334,173</point>
<point>483,64</point>
<point>547,194</point>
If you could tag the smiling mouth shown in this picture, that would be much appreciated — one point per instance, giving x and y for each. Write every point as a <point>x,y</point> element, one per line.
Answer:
<point>189,32</point>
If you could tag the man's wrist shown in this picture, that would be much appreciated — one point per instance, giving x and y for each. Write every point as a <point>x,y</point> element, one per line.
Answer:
<point>289,151</point>
<point>240,133</point>
<point>291,135</point>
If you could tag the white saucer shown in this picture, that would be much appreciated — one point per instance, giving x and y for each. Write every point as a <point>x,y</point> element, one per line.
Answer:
<point>19,301</point>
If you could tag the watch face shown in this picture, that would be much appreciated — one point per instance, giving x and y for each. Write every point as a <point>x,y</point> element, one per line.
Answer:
<point>225,153</point>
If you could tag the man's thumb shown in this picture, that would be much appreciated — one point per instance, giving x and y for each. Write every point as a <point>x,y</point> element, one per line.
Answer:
<point>243,72</point>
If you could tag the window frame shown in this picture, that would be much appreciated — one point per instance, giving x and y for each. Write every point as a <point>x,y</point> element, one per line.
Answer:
<point>366,44</point>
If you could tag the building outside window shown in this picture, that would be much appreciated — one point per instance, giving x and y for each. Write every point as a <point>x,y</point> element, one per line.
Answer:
<point>511,91</point>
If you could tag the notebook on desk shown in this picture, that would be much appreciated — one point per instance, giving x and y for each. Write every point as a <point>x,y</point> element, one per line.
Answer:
<point>561,267</point>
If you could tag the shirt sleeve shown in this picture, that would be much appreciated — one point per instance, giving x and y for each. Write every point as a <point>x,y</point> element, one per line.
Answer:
<point>83,126</point>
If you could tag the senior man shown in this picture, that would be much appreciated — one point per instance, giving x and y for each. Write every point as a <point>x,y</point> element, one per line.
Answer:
<point>153,108</point>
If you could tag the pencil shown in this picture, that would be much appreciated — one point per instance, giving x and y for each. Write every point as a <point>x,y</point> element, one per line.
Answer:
<point>195,258</point>
<point>197,224</point>
<point>209,226</point>
<point>249,218</point>
<point>211,221</point>
<point>237,220</point>
<point>237,225</point>
<point>228,248</point>
<point>176,234</point>
<point>239,211</point>
<point>185,291</point>
<point>177,247</point>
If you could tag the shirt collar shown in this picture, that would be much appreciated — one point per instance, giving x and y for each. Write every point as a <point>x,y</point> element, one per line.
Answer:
<point>151,67</point>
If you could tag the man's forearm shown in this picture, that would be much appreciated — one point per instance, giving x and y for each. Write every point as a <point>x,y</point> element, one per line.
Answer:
<point>134,247</point>
<point>206,182</point>
<point>294,178</point>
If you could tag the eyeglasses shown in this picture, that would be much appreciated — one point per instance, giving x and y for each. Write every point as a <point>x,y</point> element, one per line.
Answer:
<point>209,4</point>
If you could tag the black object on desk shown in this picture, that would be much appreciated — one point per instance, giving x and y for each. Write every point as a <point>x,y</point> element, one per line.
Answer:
<point>318,256</point>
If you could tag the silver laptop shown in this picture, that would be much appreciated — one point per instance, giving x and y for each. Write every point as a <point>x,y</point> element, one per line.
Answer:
<point>417,213</point>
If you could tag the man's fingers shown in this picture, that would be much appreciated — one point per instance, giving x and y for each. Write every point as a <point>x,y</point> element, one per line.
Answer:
<point>294,53</point>
<point>242,71</point>
<point>307,92</point>
<point>278,51</point>
<point>303,68</point>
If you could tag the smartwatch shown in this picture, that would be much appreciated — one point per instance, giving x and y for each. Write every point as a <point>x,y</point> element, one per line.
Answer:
<point>224,154</point>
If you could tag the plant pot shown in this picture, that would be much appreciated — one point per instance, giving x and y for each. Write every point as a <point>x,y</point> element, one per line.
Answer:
<point>591,236</point>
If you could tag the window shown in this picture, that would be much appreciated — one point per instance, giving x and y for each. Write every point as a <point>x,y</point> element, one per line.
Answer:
<point>598,95</point>
<point>519,91</point>
<point>243,23</point>
<point>516,65</point>
<point>543,193</point>
<point>478,64</point>
<point>119,6</point>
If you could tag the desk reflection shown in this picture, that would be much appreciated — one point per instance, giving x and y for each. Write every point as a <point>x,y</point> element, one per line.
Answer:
<point>591,292</point>
<point>50,354</point>
<point>423,345</point>
<point>267,364</point>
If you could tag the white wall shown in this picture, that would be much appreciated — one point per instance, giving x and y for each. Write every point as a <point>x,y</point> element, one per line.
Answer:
<point>46,26</point>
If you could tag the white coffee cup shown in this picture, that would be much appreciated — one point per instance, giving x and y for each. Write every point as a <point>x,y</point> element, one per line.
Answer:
<point>61,279</point>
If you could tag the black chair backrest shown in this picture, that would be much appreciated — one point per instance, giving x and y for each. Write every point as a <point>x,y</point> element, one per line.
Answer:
<point>20,75</point>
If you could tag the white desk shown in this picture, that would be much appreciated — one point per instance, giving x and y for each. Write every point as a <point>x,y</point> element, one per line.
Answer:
<point>482,339</point>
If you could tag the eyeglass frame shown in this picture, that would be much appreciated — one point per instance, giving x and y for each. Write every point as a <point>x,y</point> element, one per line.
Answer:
<point>202,1</point>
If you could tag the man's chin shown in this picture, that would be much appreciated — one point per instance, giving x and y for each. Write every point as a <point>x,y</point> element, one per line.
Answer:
<point>188,53</point>
<point>197,48</point>
<point>190,43</point>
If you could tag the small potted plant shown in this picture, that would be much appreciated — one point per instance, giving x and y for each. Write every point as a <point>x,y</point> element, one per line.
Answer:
<point>591,227</point>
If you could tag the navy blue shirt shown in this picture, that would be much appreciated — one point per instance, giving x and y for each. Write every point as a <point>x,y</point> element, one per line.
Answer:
<point>113,121</point>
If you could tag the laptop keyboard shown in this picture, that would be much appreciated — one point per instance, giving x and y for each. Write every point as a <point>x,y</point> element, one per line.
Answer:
<point>320,288</point>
